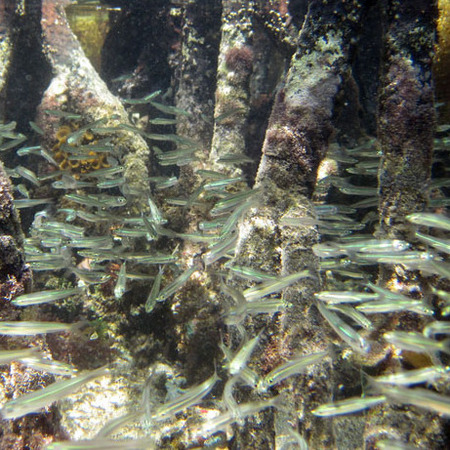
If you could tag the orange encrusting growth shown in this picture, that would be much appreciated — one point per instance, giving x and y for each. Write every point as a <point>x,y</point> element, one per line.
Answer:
<point>93,159</point>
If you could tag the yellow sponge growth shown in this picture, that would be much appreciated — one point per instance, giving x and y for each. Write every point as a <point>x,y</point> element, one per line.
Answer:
<point>93,160</point>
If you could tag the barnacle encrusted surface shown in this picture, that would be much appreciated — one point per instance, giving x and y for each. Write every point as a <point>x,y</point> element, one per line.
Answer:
<point>249,208</point>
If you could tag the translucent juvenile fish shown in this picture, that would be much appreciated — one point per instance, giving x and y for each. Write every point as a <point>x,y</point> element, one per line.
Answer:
<point>112,183</point>
<point>33,150</point>
<point>237,313</point>
<point>173,287</point>
<point>389,306</point>
<point>100,216</point>
<point>436,327</point>
<point>442,128</point>
<point>154,292</point>
<point>7,356</point>
<point>352,313</point>
<point>145,258</point>
<point>430,220</point>
<point>143,100</point>
<point>22,189</point>
<point>68,182</point>
<point>250,273</point>
<point>436,267</point>
<point>333,297</point>
<point>271,286</point>
<point>230,224</point>
<point>411,377</point>
<point>47,365</point>
<point>291,440</point>
<point>294,366</point>
<point>416,342</point>
<point>12,143</point>
<point>28,328</point>
<point>104,444</point>
<point>191,397</point>
<point>358,190</point>
<point>85,200</point>
<point>240,359</point>
<point>211,174</point>
<point>34,401</point>
<point>413,260</point>
<point>386,293</point>
<point>231,112</point>
<point>377,246</point>
<point>345,331</point>
<point>109,200</point>
<point>442,245</point>
<point>229,401</point>
<point>224,420</point>
<point>234,158</point>
<point>36,298</point>
<point>169,182</point>
<point>35,127</point>
<point>63,229</point>
<point>231,201</point>
<point>28,175</point>
<point>221,249</point>
<point>99,242</point>
<point>120,287</point>
<point>363,247</point>
<point>394,444</point>
<point>97,200</point>
<point>75,137</point>
<point>163,121</point>
<point>422,398</point>
<point>221,184</point>
<point>90,276</point>
<point>298,221</point>
<point>130,232</point>
<point>115,424</point>
<point>155,214</point>
<point>103,173</point>
<point>173,110</point>
<point>348,406</point>
<point>444,295</point>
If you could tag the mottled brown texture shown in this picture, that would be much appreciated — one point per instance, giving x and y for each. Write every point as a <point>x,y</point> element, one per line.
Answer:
<point>407,118</point>
<point>239,59</point>
<point>15,275</point>
<point>77,87</point>
<point>9,219</point>
<point>406,130</point>
<point>296,140</point>
<point>406,126</point>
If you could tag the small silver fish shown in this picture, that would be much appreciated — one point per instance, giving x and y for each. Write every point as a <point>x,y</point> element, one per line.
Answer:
<point>45,296</point>
<point>7,356</point>
<point>171,288</point>
<point>416,342</point>
<point>27,328</point>
<point>34,401</point>
<point>430,220</point>
<point>240,359</point>
<point>292,367</point>
<point>345,331</point>
<point>120,287</point>
<point>189,398</point>
<point>422,398</point>
<point>348,406</point>
<point>410,377</point>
